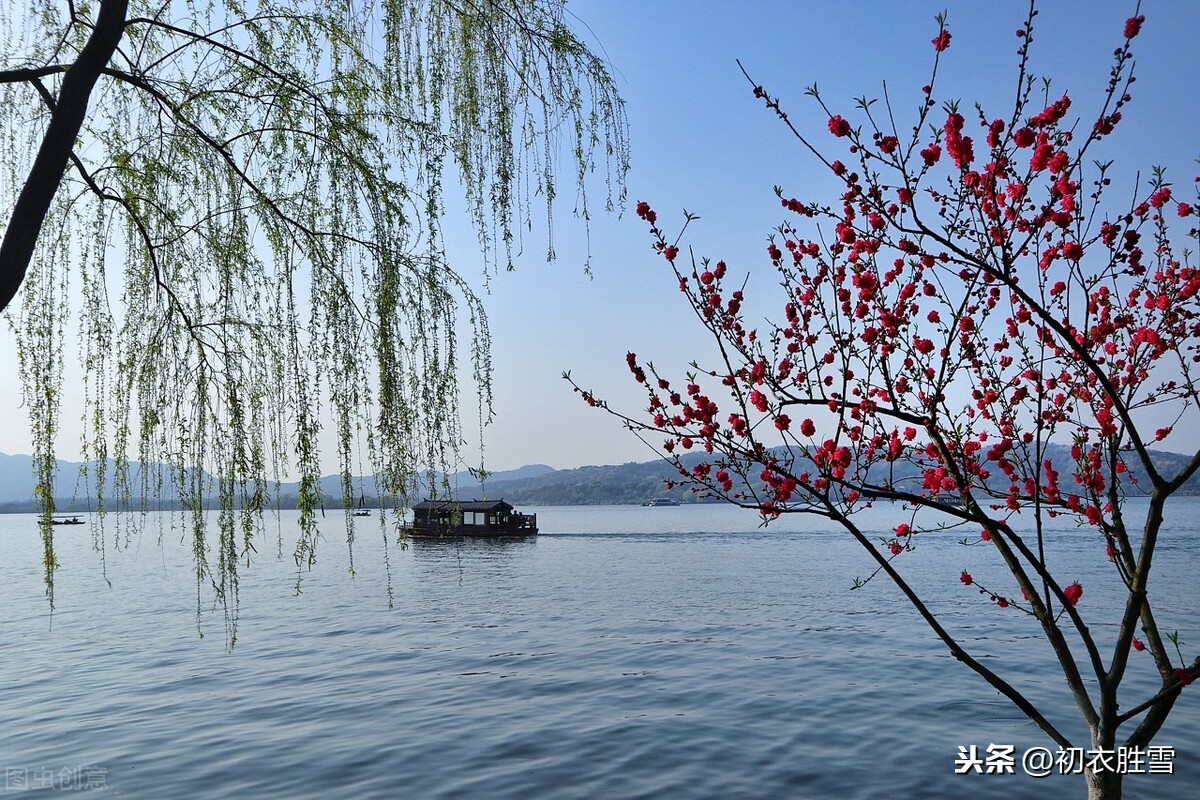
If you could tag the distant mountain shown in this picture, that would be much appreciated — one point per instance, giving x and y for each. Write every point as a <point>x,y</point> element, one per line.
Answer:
<point>16,477</point>
<point>534,484</point>
<point>642,481</point>
<point>1059,455</point>
<point>462,484</point>
<point>17,480</point>
<point>74,483</point>
<point>630,483</point>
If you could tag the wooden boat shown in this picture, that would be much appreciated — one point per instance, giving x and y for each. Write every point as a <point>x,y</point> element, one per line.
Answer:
<point>67,521</point>
<point>479,518</point>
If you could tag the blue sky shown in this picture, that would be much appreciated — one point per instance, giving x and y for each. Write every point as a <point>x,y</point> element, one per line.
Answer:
<point>701,142</point>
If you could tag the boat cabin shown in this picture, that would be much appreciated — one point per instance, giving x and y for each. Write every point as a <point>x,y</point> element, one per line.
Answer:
<point>470,518</point>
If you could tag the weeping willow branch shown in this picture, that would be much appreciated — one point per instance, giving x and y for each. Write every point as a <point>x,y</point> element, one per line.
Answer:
<point>246,217</point>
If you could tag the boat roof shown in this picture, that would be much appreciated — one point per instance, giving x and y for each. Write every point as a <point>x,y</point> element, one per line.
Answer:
<point>462,505</point>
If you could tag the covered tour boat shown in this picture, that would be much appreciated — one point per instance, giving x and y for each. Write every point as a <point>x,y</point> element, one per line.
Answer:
<point>469,518</point>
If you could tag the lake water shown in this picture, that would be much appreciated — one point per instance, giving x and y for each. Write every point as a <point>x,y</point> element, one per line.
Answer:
<point>626,652</point>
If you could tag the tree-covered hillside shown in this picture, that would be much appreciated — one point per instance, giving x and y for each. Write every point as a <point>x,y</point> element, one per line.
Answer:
<point>536,484</point>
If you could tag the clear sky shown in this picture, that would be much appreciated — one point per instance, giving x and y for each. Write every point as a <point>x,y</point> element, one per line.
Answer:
<point>701,142</point>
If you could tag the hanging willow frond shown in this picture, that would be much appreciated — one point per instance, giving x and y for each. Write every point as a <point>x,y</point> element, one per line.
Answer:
<point>243,228</point>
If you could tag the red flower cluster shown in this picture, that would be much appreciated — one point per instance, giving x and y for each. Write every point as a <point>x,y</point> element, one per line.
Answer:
<point>994,130</point>
<point>638,374</point>
<point>958,146</point>
<point>1051,114</point>
<point>966,578</point>
<point>1133,26</point>
<point>838,126</point>
<point>1183,676</point>
<point>645,212</point>
<point>1160,197</point>
<point>941,41</point>
<point>1073,593</point>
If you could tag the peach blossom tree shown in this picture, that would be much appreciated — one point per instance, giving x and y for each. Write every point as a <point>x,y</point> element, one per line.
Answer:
<point>975,301</point>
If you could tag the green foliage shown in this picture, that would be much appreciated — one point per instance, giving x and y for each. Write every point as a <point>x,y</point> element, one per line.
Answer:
<point>248,234</point>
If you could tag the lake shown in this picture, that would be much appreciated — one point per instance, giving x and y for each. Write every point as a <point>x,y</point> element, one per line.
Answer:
<point>625,652</point>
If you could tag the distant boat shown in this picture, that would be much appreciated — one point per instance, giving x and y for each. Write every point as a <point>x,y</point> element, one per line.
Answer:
<point>661,501</point>
<point>477,518</point>
<point>67,521</point>
<point>362,510</point>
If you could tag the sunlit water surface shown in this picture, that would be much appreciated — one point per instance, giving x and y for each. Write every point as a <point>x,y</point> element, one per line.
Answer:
<point>625,652</point>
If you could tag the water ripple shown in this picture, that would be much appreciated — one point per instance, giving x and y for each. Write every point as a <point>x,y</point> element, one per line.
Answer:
<point>625,656</point>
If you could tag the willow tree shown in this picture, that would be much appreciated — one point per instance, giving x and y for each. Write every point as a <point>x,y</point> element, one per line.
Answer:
<point>235,209</point>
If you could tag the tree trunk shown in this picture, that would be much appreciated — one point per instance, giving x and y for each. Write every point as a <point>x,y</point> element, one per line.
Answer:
<point>1105,785</point>
<point>66,119</point>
